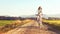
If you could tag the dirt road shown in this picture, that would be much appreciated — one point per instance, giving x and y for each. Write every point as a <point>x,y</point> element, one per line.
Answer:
<point>31,28</point>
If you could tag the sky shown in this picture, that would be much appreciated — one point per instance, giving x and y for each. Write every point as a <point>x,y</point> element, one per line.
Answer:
<point>28,7</point>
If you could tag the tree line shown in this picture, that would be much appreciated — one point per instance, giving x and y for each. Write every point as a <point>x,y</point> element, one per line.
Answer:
<point>15,18</point>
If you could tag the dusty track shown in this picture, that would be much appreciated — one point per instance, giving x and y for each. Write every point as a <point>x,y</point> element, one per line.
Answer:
<point>31,28</point>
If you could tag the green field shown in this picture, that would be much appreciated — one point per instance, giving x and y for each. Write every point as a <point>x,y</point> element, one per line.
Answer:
<point>4,22</point>
<point>53,23</point>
